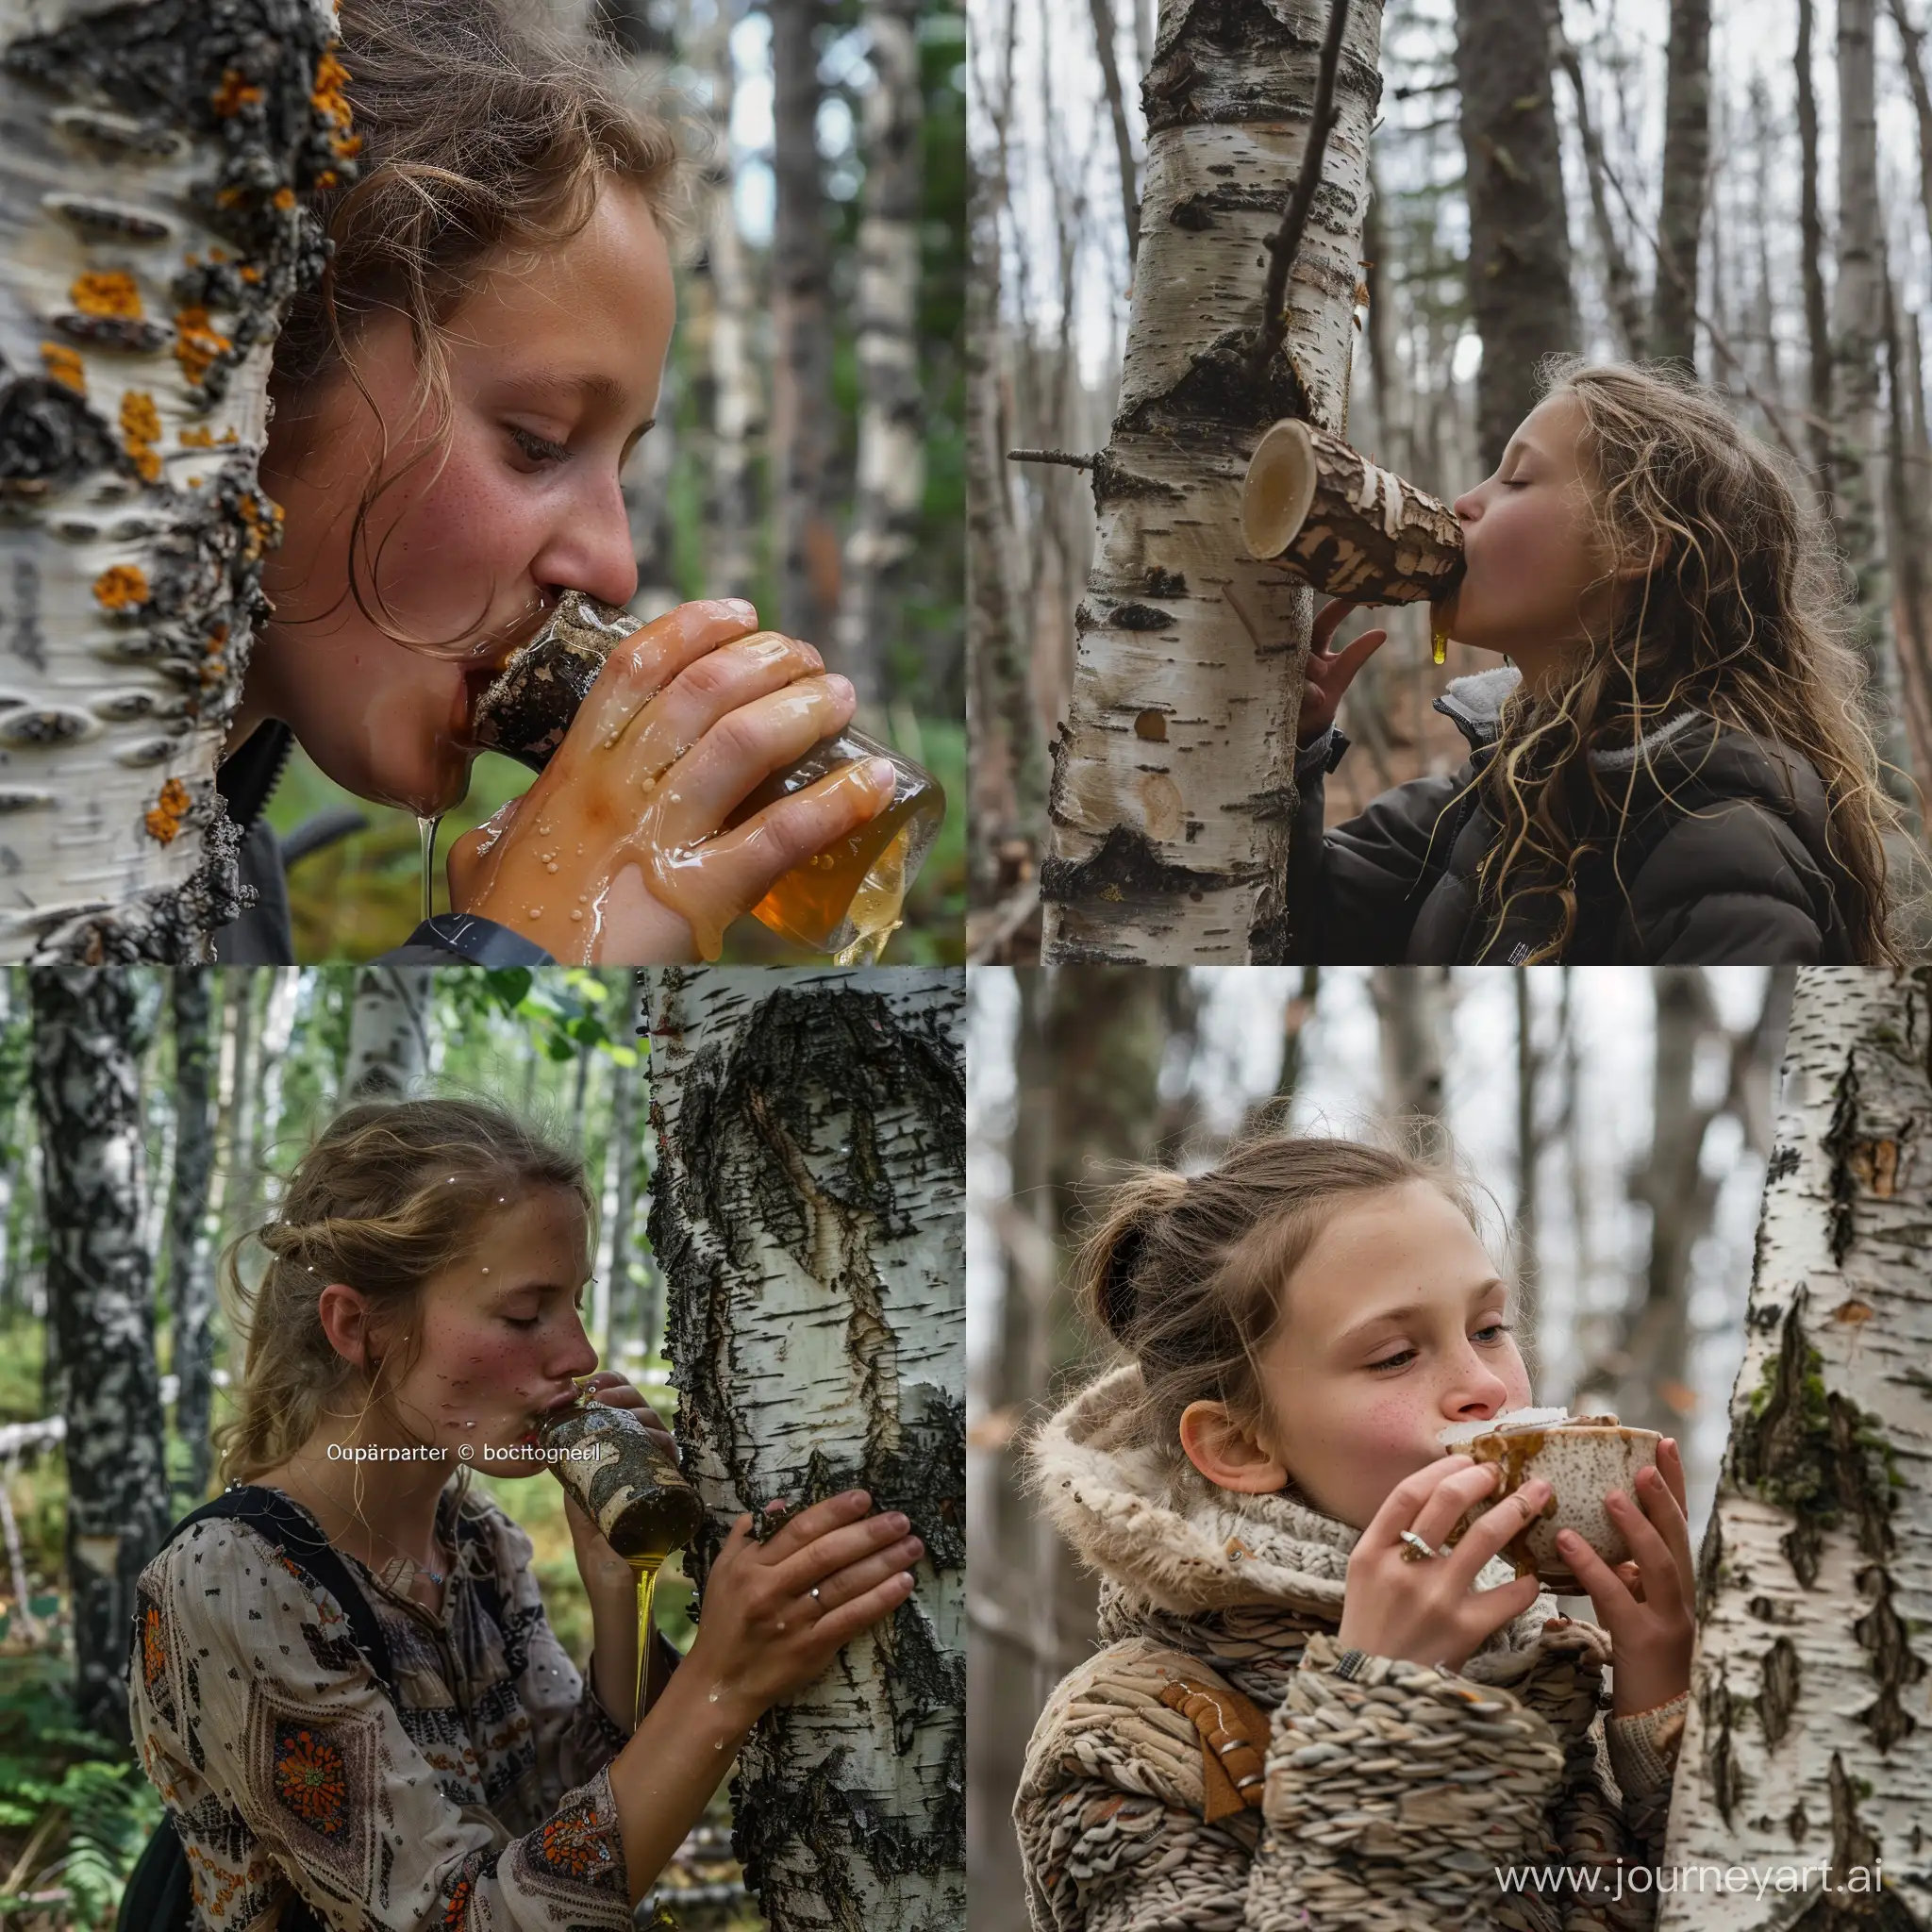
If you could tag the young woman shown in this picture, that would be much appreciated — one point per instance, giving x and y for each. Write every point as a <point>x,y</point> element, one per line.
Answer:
<point>1674,766</point>
<point>1298,1719</point>
<point>421,1307</point>
<point>454,406</point>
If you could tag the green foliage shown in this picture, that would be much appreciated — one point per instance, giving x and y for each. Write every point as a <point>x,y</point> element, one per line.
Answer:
<point>77,1801</point>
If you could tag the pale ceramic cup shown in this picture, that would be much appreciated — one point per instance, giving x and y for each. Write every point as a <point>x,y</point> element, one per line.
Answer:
<point>1581,1462</point>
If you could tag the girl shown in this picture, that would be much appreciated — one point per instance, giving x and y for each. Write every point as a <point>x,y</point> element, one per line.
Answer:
<point>1298,1719</point>
<point>1676,769</point>
<point>453,407</point>
<point>496,1790</point>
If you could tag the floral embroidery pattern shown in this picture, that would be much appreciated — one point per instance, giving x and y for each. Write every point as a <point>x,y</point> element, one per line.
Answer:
<point>310,1780</point>
<point>572,1844</point>
<point>153,1659</point>
<point>458,1902</point>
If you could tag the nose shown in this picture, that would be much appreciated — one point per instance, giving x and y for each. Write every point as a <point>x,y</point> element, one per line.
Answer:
<point>589,547</point>
<point>1469,506</point>
<point>580,1357</point>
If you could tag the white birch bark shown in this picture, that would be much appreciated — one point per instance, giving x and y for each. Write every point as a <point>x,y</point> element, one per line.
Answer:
<point>151,235</point>
<point>1807,1737</point>
<point>1173,776</point>
<point>808,1218</point>
<point>891,483</point>
<point>389,1033</point>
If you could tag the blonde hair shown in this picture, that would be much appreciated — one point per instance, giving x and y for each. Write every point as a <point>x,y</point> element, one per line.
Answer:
<point>487,129</point>
<point>1188,1274</point>
<point>1742,615</point>
<point>389,1195</point>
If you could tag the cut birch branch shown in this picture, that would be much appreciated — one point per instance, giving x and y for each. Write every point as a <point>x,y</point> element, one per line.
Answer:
<point>1352,528</point>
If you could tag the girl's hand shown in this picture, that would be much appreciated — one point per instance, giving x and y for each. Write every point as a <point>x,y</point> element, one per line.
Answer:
<point>1429,1611</point>
<point>762,1635</point>
<point>604,1573</point>
<point>615,854</point>
<point>1648,1604</point>
<point>1327,673</point>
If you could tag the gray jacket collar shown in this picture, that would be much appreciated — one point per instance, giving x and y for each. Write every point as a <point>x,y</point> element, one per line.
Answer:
<point>1475,705</point>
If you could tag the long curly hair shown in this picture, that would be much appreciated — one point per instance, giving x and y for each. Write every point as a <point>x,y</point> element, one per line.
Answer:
<point>1742,615</point>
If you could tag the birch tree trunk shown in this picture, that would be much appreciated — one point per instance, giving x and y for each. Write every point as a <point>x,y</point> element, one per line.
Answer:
<point>1519,237</point>
<point>151,237</point>
<point>191,1275</point>
<point>1857,343</point>
<point>892,445</point>
<point>100,1293</point>
<point>1687,161</point>
<point>1806,1738</point>
<point>628,1158</point>
<point>1173,776</point>
<point>809,1218</point>
<point>389,1033</point>
<point>1413,1004</point>
<point>1811,258</point>
<point>807,540</point>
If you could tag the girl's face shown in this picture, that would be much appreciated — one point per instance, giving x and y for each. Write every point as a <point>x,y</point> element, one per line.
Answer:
<point>502,1334</point>
<point>1393,1328</point>
<point>1534,586</point>
<point>554,368</point>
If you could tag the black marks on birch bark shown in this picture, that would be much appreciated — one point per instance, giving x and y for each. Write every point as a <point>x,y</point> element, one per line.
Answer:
<point>25,637</point>
<point>1778,1694</point>
<point>1219,388</point>
<point>1223,63</point>
<point>1720,1765</point>
<point>50,440</point>
<point>1126,867</point>
<point>1838,1140</point>
<point>1886,1639</point>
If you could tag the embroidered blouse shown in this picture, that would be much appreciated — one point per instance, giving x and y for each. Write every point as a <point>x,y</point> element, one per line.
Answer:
<point>478,1801</point>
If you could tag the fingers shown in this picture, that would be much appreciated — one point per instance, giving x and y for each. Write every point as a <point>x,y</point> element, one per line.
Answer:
<point>809,1525</point>
<point>1670,1462</point>
<point>652,655</point>
<point>1486,1535</point>
<point>1327,619</point>
<point>749,858</point>
<point>1354,655</point>
<point>839,1628</point>
<point>1451,1501</point>
<point>854,1579</point>
<point>827,1555</point>
<point>744,749</point>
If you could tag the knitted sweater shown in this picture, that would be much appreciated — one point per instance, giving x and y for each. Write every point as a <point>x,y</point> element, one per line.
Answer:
<point>1209,1770</point>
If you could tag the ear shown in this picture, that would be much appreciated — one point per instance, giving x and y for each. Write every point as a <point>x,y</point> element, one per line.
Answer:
<point>1226,1454</point>
<point>344,1316</point>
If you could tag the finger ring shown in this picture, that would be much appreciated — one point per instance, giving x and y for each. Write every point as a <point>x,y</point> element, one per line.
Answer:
<point>814,1593</point>
<point>1417,1549</point>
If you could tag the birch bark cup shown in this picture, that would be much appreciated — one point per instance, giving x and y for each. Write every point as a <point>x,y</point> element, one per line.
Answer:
<point>152,162</point>
<point>1351,529</point>
<point>823,904</point>
<point>621,1479</point>
<point>1172,788</point>
<point>1806,1737</point>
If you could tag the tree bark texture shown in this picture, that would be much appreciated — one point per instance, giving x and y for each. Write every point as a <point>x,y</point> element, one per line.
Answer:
<point>152,231</point>
<point>1687,163</point>
<point>190,1273</point>
<point>1912,49</point>
<point>1811,256</point>
<point>801,445</point>
<point>808,1217</point>
<point>1519,239</point>
<point>1858,348</point>
<point>389,1032</point>
<point>1415,1006</point>
<point>890,484</point>
<point>627,1160</point>
<point>1173,776</point>
<point>1806,1737</point>
<point>100,1294</point>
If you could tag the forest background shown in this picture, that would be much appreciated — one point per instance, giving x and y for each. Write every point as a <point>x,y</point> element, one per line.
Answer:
<point>1761,215</point>
<point>749,484</point>
<point>1619,1122</point>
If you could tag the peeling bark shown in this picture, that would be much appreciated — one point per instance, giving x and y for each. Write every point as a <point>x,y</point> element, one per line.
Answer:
<point>1174,849</point>
<point>1807,1737</point>
<point>152,232</point>
<point>100,1297</point>
<point>808,1218</point>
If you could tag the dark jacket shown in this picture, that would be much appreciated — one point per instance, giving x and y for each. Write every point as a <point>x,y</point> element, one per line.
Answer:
<point>261,935</point>
<point>1722,860</point>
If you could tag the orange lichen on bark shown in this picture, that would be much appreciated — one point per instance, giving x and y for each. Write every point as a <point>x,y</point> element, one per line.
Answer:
<point>163,818</point>
<point>215,650</point>
<point>141,430</point>
<point>236,92</point>
<point>327,98</point>
<point>63,365</point>
<point>285,199</point>
<point>121,587</point>
<point>249,273</point>
<point>262,534</point>
<point>110,292</point>
<point>201,437</point>
<point>197,343</point>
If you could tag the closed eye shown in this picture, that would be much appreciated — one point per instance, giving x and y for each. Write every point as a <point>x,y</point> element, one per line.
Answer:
<point>538,449</point>
<point>1497,1330</point>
